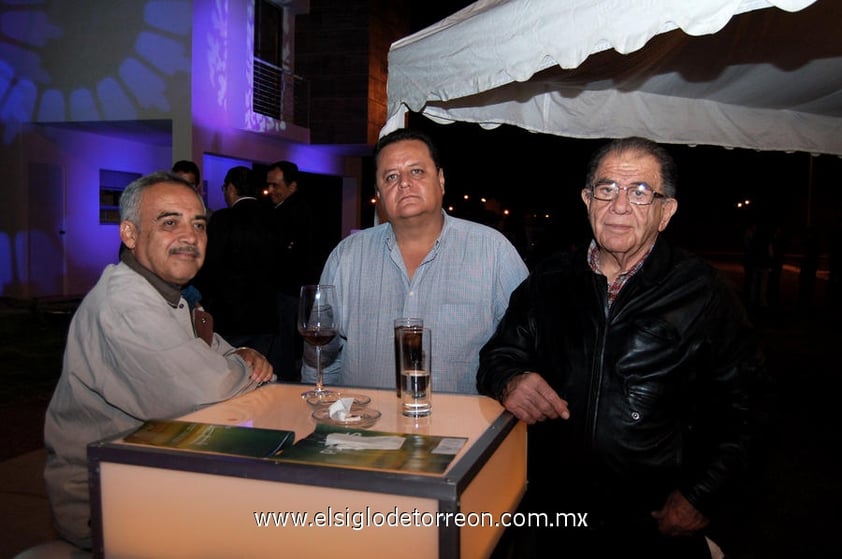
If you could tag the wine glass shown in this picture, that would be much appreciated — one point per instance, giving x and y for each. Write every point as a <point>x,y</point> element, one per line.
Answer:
<point>317,322</point>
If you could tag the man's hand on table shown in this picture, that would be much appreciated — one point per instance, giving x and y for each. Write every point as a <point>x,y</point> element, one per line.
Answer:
<point>261,369</point>
<point>531,399</point>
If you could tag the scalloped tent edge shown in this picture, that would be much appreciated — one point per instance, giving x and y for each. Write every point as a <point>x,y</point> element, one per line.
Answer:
<point>755,74</point>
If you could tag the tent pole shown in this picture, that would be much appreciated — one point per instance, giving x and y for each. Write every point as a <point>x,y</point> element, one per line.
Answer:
<point>809,189</point>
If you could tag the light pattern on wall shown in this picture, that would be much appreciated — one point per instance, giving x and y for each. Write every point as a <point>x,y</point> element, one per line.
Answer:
<point>121,69</point>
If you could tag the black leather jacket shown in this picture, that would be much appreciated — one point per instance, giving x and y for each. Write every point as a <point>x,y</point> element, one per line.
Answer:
<point>657,384</point>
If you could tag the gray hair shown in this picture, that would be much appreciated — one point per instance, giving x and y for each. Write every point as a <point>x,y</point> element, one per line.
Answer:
<point>666,164</point>
<point>131,197</point>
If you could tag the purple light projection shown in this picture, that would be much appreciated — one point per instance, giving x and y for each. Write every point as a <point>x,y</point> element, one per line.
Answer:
<point>135,69</point>
<point>54,70</point>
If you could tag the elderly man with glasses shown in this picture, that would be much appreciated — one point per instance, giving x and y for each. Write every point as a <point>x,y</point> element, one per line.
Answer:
<point>632,362</point>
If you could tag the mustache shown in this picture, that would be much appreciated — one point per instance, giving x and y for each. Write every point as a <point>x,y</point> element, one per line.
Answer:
<point>186,249</point>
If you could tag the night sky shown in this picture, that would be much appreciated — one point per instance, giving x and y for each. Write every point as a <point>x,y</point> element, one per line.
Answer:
<point>537,175</point>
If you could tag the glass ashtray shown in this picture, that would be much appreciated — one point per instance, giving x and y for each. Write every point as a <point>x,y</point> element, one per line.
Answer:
<point>361,418</point>
<point>360,400</point>
<point>321,399</point>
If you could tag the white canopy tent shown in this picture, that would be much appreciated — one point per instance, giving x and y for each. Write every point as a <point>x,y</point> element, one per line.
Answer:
<point>769,80</point>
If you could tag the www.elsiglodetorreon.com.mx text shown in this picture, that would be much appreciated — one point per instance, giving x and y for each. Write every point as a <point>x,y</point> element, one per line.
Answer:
<point>362,519</point>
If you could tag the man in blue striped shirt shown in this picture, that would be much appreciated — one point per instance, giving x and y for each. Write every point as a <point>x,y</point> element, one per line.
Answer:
<point>454,274</point>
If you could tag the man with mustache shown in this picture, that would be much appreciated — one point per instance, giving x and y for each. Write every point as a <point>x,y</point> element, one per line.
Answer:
<point>454,274</point>
<point>135,349</point>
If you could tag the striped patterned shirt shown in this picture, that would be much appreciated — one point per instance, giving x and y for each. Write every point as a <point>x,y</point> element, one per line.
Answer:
<point>461,291</point>
<point>615,286</point>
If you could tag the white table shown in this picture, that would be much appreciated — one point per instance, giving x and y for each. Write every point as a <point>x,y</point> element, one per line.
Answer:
<point>156,502</point>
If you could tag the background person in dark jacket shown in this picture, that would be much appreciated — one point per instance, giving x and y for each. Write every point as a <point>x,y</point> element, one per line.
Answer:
<point>293,223</point>
<point>237,282</point>
<point>632,362</point>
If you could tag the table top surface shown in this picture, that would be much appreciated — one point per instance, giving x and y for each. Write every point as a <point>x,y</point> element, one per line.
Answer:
<point>133,480</point>
<point>280,406</point>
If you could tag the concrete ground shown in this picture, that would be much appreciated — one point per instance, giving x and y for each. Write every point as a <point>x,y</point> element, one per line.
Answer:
<point>24,510</point>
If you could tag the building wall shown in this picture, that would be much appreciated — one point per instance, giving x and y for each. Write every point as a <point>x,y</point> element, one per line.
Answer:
<point>332,54</point>
<point>342,47</point>
<point>388,23</point>
<point>86,245</point>
<point>13,220</point>
<point>94,66</point>
<point>184,63</point>
<point>224,125</point>
<point>101,60</point>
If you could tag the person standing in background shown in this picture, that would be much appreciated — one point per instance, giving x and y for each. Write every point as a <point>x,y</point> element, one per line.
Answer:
<point>237,279</point>
<point>189,171</point>
<point>293,229</point>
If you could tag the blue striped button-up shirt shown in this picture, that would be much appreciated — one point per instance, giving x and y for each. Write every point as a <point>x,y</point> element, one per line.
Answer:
<point>461,291</point>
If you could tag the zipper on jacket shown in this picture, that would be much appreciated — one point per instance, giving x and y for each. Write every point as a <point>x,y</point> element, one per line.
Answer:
<point>595,385</point>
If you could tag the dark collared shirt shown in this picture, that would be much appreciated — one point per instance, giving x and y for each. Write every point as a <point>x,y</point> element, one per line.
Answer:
<point>171,293</point>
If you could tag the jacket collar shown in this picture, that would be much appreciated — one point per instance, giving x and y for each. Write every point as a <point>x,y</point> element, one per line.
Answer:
<point>658,262</point>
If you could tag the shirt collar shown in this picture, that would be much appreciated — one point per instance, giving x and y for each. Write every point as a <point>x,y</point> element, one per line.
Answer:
<point>593,260</point>
<point>242,198</point>
<point>171,293</point>
<point>390,234</point>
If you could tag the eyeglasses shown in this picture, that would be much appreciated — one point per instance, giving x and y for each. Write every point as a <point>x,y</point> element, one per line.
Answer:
<point>639,193</point>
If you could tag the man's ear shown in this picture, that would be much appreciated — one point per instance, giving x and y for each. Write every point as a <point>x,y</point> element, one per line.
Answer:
<point>586,197</point>
<point>670,206</point>
<point>128,234</point>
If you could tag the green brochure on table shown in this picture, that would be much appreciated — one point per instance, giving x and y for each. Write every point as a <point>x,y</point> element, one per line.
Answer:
<point>220,439</point>
<point>406,452</point>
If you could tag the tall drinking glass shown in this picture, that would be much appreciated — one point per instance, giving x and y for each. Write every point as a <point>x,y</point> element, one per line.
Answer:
<point>414,324</point>
<point>416,388</point>
<point>317,323</point>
